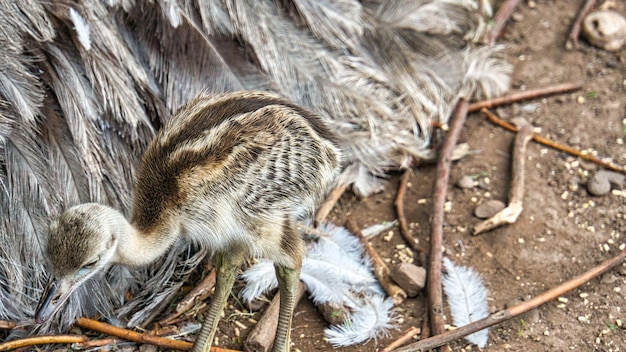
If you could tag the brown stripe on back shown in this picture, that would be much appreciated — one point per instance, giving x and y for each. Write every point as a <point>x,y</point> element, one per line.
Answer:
<point>158,187</point>
<point>216,114</point>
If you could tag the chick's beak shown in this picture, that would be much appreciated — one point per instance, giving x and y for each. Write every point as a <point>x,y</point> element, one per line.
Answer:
<point>54,295</point>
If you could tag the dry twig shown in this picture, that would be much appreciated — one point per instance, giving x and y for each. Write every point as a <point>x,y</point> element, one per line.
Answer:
<point>572,39</point>
<point>132,335</point>
<point>525,95</point>
<point>501,17</point>
<point>404,338</point>
<point>197,294</point>
<point>5,324</point>
<point>42,340</point>
<point>404,229</point>
<point>495,120</point>
<point>262,336</point>
<point>329,203</point>
<point>381,271</point>
<point>498,317</point>
<point>435,297</point>
<point>139,337</point>
<point>510,214</point>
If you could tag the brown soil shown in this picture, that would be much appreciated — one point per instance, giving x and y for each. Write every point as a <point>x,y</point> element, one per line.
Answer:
<point>562,232</point>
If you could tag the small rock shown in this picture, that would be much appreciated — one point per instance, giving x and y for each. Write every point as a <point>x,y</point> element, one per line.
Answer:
<point>466,182</point>
<point>574,140</point>
<point>489,209</point>
<point>573,184</point>
<point>410,277</point>
<point>588,165</point>
<point>484,183</point>
<point>605,29</point>
<point>600,183</point>
<point>517,17</point>
<point>608,278</point>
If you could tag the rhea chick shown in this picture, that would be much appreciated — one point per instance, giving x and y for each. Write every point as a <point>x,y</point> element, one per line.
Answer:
<point>233,172</point>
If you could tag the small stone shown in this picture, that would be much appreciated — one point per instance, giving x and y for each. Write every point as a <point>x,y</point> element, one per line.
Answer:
<point>517,17</point>
<point>489,209</point>
<point>608,278</point>
<point>484,183</point>
<point>588,165</point>
<point>466,182</point>
<point>573,184</point>
<point>410,277</point>
<point>600,183</point>
<point>605,29</point>
<point>574,140</point>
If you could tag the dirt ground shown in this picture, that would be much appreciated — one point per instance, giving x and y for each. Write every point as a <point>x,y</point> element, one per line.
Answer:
<point>563,230</point>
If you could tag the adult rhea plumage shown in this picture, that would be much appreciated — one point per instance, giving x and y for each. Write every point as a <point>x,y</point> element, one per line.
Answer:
<point>84,85</point>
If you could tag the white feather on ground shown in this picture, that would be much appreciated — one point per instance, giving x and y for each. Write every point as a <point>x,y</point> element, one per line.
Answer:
<point>336,271</point>
<point>467,298</point>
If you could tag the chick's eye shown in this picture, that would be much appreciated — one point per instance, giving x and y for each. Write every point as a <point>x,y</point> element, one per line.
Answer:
<point>86,268</point>
<point>91,264</point>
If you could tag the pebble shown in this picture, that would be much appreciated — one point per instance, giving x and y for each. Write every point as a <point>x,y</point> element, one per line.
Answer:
<point>484,183</point>
<point>466,182</point>
<point>588,165</point>
<point>572,184</point>
<point>600,183</point>
<point>605,29</point>
<point>608,278</point>
<point>574,140</point>
<point>489,209</point>
<point>410,277</point>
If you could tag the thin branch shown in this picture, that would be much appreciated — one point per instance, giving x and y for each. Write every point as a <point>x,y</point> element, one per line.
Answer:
<point>42,340</point>
<point>498,317</point>
<point>495,120</point>
<point>510,214</point>
<point>381,271</point>
<point>132,335</point>
<point>501,17</point>
<point>525,95</point>
<point>197,294</point>
<point>329,203</point>
<point>572,39</point>
<point>7,325</point>
<point>404,229</point>
<point>139,337</point>
<point>435,297</point>
<point>404,338</point>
